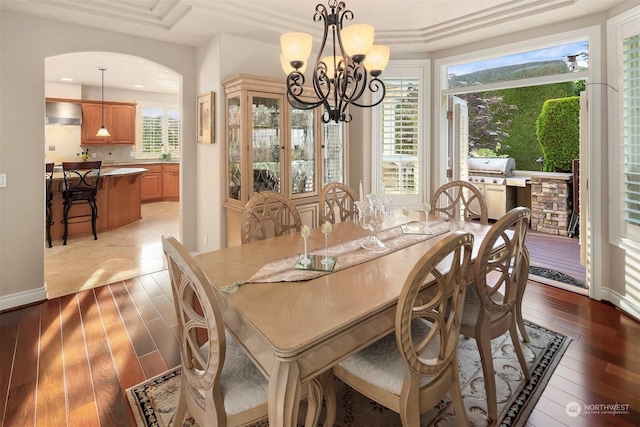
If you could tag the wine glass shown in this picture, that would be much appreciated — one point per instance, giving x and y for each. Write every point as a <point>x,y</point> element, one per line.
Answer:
<point>305,232</point>
<point>427,209</point>
<point>326,229</point>
<point>371,217</point>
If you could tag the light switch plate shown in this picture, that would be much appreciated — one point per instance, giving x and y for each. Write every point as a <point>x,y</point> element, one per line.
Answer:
<point>3,179</point>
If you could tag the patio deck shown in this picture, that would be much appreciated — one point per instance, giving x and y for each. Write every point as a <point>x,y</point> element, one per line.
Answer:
<point>558,253</point>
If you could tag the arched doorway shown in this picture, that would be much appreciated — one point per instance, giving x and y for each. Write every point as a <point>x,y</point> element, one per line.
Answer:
<point>135,249</point>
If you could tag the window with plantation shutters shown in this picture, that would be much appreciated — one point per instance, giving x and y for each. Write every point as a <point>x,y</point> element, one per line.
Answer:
<point>631,128</point>
<point>160,130</point>
<point>399,134</point>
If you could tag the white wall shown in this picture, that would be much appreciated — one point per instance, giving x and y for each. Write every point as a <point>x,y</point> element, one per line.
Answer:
<point>25,42</point>
<point>217,60</point>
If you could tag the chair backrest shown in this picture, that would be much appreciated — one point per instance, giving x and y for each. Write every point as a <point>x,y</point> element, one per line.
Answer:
<point>81,175</point>
<point>337,203</point>
<point>269,214</point>
<point>497,274</point>
<point>201,366</point>
<point>48,169</point>
<point>446,267</point>
<point>460,200</point>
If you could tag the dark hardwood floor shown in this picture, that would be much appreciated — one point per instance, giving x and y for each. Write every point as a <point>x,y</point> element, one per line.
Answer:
<point>69,360</point>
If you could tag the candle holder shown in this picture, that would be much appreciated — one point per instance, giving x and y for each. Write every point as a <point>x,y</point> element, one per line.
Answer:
<point>326,229</point>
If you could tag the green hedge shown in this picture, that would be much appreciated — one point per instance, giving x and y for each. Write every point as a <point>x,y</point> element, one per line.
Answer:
<point>558,131</point>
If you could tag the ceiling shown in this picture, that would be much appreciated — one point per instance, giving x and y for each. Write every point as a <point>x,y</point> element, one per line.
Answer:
<point>407,26</point>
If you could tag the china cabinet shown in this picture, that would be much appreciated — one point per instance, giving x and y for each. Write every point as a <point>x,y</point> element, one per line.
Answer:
<point>272,146</point>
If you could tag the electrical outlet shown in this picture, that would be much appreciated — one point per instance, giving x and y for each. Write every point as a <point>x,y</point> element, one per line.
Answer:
<point>52,148</point>
<point>93,155</point>
<point>3,179</point>
<point>132,154</point>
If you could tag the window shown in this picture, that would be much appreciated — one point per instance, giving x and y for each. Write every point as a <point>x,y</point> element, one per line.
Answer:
<point>160,130</point>
<point>399,130</point>
<point>631,128</point>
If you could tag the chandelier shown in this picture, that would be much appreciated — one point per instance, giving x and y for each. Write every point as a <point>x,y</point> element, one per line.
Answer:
<point>341,78</point>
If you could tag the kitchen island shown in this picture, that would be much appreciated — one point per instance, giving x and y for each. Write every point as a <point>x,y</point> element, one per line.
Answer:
<point>119,202</point>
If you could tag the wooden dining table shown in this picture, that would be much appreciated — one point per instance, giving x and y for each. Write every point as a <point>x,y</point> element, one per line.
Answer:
<point>296,330</point>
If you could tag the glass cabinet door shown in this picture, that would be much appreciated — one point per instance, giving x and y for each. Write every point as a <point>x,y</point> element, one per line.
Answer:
<point>234,140</point>
<point>333,154</point>
<point>266,143</point>
<point>303,154</point>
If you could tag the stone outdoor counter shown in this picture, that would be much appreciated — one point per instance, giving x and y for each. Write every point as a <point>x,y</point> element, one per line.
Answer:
<point>119,202</point>
<point>551,202</point>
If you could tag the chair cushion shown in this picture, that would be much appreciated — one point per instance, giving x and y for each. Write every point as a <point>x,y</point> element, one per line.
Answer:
<point>242,384</point>
<point>382,364</point>
<point>473,305</point>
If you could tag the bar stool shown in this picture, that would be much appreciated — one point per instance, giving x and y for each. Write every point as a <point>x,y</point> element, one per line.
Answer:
<point>49,197</point>
<point>81,181</point>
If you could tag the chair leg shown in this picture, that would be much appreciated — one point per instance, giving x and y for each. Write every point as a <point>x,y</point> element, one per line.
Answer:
<point>314,402</point>
<point>94,217</point>
<point>65,219</point>
<point>410,402</point>
<point>49,222</point>
<point>484,348</point>
<point>513,331</point>
<point>329,398</point>
<point>456,395</point>
<point>181,410</point>
<point>523,276</point>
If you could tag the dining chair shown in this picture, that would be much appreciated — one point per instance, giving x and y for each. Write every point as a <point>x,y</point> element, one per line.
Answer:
<point>411,370</point>
<point>492,304</point>
<point>81,184</point>
<point>48,176</point>
<point>460,200</point>
<point>268,214</point>
<point>337,203</point>
<point>220,384</point>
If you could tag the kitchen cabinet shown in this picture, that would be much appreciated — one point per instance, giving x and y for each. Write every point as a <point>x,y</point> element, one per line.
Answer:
<point>171,182</point>
<point>271,146</point>
<point>124,200</point>
<point>161,182</point>
<point>119,119</point>
<point>151,186</point>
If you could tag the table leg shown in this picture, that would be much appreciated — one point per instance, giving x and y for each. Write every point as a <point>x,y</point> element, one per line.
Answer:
<point>284,394</point>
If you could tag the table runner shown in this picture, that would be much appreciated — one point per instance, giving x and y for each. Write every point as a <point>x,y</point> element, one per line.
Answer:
<point>348,254</point>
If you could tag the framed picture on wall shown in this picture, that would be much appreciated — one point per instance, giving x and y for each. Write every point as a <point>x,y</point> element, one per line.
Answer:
<point>205,127</point>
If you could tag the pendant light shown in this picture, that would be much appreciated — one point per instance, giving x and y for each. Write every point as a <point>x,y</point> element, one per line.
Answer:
<point>103,130</point>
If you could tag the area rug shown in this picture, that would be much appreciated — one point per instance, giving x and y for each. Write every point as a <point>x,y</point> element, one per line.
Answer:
<point>153,401</point>
<point>555,275</point>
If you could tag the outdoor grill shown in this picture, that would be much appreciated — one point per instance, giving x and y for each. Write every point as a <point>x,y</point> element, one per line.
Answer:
<point>492,177</point>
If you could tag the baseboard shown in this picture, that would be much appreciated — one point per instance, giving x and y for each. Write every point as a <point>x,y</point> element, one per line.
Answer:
<point>624,303</point>
<point>19,299</point>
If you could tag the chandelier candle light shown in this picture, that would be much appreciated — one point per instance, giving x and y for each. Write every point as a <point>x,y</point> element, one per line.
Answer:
<point>341,78</point>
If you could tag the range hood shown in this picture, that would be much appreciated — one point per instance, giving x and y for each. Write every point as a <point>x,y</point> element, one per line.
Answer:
<point>63,113</point>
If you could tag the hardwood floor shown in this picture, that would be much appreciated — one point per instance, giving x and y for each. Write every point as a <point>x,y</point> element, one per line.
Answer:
<point>69,360</point>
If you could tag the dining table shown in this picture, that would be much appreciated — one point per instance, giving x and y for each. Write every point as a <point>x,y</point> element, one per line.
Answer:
<point>297,327</point>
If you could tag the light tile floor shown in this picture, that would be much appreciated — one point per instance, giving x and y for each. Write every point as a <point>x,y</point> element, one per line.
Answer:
<point>129,251</point>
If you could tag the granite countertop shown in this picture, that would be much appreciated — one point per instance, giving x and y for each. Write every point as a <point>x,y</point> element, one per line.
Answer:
<point>140,162</point>
<point>107,171</point>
